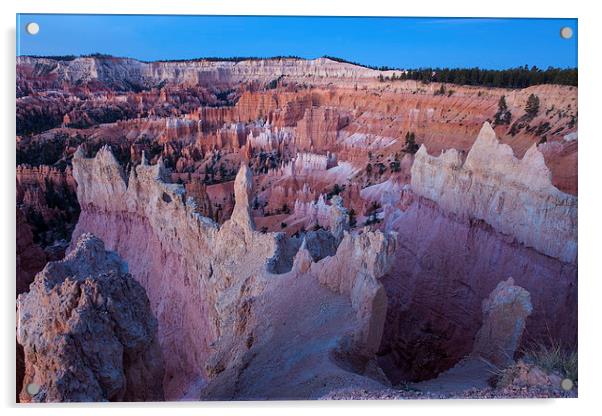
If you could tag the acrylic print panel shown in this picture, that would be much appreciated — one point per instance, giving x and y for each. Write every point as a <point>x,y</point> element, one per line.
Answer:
<point>275,208</point>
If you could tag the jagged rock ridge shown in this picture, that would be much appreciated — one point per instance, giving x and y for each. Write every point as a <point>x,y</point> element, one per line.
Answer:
<point>515,196</point>
<point>208,285</point>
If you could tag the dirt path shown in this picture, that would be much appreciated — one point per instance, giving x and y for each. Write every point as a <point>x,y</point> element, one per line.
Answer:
<point>470,373</point>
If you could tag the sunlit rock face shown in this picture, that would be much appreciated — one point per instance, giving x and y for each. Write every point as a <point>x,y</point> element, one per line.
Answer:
<point>87,331</point>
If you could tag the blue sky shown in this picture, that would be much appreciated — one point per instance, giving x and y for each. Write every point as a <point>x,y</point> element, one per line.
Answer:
<point>395,42</point>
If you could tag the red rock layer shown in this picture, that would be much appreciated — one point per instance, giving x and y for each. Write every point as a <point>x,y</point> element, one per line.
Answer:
<point>47,197</point>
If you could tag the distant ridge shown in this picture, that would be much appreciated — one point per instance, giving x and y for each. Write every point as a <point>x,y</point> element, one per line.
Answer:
<point>516,77</point>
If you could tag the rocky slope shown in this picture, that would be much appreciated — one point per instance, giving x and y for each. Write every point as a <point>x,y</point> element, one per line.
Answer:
<point>87,331</point>
<point>463,225</point>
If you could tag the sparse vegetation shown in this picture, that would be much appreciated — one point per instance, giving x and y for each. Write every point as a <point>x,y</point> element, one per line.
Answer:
<point>273,84</point>
<point>372,212</point>
<point>520,77</point>
<point>352,218</point>
<point>553,357</point>
<point>336,189</point>
<point>345,61</point>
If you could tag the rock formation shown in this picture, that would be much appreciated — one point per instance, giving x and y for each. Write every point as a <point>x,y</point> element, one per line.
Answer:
<point>339,218</point>
<point>515,196</point>
<point>189,111</point>
<point>209,284</point>
<point>497,341</point>
<point>453,249</point>
<point>120,73</point>
<point>46,195</point>
<point>504,314</point>
<point>88,332</point>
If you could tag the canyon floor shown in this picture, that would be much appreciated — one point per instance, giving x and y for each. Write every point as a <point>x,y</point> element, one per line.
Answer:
<point>288,229</point>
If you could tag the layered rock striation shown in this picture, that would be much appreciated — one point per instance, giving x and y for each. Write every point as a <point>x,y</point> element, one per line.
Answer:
<point>124,72</point>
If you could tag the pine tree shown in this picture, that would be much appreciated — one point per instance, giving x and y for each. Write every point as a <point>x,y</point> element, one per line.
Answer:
<point>532,107</point>
<point>503,115</point>
<point>411,145</point>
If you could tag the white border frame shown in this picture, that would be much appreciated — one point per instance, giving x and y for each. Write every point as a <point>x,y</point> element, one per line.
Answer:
<point>589,194</point>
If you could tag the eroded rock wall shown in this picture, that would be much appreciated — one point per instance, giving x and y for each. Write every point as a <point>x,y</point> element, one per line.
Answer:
<point>515,196</point>
<point>449,258</point>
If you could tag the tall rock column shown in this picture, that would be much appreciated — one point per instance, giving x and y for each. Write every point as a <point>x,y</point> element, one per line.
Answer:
<point>504,315</point>
<point>339,218</point>
<point>243,190</point>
